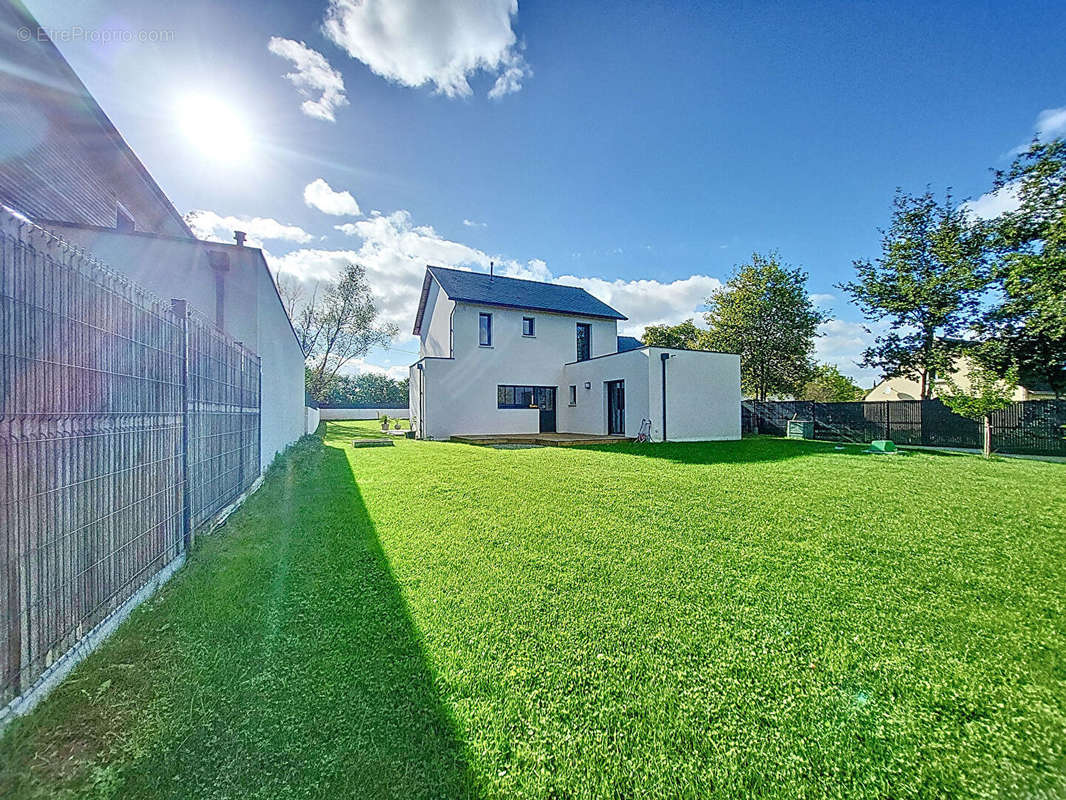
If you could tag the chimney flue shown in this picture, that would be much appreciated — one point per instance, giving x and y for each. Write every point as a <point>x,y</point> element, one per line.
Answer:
<point>239,237</point>
<point>492,270</point>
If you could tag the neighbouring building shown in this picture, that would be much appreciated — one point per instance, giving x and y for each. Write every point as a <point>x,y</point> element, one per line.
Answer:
<point>903,388</point>
<point>508,356</point>
<point>64,165</point>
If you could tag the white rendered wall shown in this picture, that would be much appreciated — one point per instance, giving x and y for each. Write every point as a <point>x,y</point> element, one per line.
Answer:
<point>702,395</point>
<point>312,419</point>
<point>589,414</point>
<point>174,267</point>
<point>363,413</point>
<point>460,393</point>
<point>437,324</point>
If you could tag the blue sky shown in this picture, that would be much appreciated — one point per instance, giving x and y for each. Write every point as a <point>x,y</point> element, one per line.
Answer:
<point>641,152</point>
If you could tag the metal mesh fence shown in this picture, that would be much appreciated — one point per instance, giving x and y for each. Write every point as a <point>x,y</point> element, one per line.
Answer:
<point>92,414</point>
<point>1034,427</point>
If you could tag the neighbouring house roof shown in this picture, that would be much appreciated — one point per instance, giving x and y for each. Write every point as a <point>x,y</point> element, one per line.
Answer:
<point>478,287</point>
<point>626,343</point>
<point>62,158</point>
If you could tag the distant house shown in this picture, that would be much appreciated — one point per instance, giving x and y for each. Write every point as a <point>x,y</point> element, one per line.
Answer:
<point>65,166</point>
<point>901,388</point>
<point>508,356</point>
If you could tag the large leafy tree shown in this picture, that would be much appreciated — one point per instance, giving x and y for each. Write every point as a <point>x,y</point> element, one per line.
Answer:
<point>367,390</point>
<point>1029,318</point>
<point>335,322</point>
<point>926,284</point>
<point>685,335</point>
<point>828,385</point>
<point>765,314</point>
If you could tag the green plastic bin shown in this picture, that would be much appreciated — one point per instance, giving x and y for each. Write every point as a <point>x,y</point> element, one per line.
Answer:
<point>800,429</point>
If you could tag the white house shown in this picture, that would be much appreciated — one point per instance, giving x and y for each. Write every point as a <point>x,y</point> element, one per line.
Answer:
<point>509,356</point>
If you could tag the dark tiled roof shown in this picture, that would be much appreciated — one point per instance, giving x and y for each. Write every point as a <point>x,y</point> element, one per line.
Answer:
<point>629,343</point>
<point>478,287</point>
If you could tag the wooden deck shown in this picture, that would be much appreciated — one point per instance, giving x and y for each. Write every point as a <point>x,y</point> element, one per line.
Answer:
<point>542,439</point>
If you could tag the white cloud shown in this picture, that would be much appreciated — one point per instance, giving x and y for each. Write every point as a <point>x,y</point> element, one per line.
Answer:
<point>993,204</point>
<point>313,77</point>
<point>360,366</point>
<point>649,302</point>
<point>471,224</point>
<point>318,194</point>
<point>213,227</point>
<point>419,42</point>
<point>1050,124</point>
<point>841,342</point>
<point>395,253</point>
<point>821,299</point>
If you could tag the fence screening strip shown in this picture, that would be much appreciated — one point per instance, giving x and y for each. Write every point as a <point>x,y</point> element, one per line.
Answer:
<point>1034,427</point>
<point>92,494</point>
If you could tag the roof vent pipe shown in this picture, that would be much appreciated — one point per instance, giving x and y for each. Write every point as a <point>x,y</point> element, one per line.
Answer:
<point>239,237</point>
<point>492,270</point>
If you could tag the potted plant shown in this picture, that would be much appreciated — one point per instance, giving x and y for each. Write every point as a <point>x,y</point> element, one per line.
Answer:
<point>384,422</point>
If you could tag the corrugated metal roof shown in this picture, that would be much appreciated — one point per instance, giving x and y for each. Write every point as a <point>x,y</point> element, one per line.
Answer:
<point>478,287</point>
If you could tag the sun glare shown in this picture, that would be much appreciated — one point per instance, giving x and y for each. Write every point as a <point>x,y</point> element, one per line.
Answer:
<point>214,127</point>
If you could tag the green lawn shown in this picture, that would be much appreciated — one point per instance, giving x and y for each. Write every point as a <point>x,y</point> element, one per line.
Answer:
<point>757,618</point>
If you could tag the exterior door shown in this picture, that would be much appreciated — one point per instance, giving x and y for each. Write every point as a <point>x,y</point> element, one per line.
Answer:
<point>544,397</point>
<point>616,408</point>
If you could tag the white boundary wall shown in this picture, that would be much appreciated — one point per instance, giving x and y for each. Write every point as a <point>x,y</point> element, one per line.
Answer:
<point>362,413</point>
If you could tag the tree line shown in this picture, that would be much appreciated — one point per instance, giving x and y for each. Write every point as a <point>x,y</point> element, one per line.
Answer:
<point>946,286</point>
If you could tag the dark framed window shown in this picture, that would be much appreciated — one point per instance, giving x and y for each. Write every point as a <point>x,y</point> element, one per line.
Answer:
<point>484,330</point>
<point>519,396</point>
<point>529,326</point>
<point>584,341</point>
<point>573,395</point>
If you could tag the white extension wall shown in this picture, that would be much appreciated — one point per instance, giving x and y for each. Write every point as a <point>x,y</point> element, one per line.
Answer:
<point>589,413</point>
<point>702,395</point>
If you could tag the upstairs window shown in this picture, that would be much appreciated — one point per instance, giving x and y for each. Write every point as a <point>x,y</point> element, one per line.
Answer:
<point>529,326</point>
<point>584,341</point>
<point>484,334</point>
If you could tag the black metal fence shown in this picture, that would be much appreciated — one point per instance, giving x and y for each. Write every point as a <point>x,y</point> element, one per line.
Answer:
<point>1035,427</point>
<point>125,421</point>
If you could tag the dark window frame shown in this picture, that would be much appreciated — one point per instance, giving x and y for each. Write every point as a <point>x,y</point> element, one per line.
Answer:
<point>532,327</point>
<point>484,341</point>
<point>517,395</point>
<point>586,341</point>
<point>573,394</point>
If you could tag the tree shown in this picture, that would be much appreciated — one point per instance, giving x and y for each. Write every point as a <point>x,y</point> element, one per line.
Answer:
<point>685,335</point>
<point>765,314</point>
<point>926,283</point>
<point>828,385</point>
<point>334,324</point>
<point>1030,268</point>
<point>988,391</point>
<point>367,390</point>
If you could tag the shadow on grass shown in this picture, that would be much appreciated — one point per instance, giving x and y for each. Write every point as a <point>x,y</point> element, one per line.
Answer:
<point>750,449</point>
<point>283,662</point>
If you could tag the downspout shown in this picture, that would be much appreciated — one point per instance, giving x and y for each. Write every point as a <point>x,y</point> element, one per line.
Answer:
<point>421,401</point>
<point>663,357</point>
